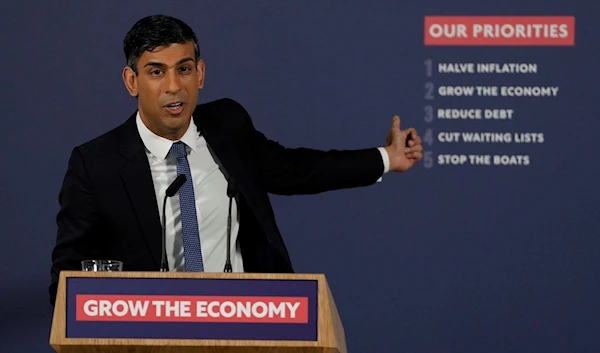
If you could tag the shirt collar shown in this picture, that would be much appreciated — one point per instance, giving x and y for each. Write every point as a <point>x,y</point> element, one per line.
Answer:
<point>160,146</point>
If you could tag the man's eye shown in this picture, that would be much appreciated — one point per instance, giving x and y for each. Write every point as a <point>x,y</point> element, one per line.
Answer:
<point>155,72</point>
<point>184,69</point>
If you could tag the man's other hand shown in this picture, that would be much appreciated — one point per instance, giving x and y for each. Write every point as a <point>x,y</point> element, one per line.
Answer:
<point>403,147</point>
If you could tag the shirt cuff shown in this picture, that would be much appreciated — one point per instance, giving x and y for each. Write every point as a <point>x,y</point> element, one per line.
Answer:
<point>386,161</point>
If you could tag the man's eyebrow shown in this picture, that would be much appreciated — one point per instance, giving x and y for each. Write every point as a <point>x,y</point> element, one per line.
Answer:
<point>189,58</point>
<point>154,63</point>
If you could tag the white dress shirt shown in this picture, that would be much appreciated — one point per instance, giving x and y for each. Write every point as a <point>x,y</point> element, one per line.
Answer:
<point>210,190</point>
<point>212,203</point>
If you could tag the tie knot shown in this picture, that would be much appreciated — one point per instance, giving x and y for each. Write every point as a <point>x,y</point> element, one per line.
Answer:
<point>178,150</point>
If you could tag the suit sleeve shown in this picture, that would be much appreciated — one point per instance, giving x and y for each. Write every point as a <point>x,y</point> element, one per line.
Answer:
<point>78,235</point>
<point>293,171</point>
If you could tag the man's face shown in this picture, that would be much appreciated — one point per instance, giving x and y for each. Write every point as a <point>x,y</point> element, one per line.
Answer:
<point>167,87</point>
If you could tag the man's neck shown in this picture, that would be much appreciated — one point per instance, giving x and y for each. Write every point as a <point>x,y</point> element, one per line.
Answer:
<point>165,132</point>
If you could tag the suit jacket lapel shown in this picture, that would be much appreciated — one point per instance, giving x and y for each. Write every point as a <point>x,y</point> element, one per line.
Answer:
<point>223,150</point>
<point>216,142</point>
<point>137,178</point>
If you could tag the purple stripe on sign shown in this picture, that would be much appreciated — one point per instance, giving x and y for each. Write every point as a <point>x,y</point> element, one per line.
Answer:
<point>192,330</point>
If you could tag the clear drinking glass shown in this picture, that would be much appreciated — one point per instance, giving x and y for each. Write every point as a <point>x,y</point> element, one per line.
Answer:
<point>101,265</point>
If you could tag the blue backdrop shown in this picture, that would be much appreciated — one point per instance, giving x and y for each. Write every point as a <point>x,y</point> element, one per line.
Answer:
<point>446,258</point>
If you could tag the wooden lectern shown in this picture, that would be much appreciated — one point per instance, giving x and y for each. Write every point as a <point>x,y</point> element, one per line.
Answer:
<point>178,312</point>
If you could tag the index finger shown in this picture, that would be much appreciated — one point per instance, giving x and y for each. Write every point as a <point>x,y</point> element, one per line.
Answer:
<point>413,135</point>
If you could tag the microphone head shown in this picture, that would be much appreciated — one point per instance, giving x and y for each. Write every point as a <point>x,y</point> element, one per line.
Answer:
<point>231,188</point>
<point>175,185</point>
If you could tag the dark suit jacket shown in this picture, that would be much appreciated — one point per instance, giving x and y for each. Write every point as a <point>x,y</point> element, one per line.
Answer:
<point>108,207</point>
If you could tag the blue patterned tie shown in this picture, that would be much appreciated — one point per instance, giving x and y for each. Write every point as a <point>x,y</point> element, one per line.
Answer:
<point>189,221</point>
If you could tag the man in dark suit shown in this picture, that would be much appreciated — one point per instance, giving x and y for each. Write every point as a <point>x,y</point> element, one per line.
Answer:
<point>113,189</point>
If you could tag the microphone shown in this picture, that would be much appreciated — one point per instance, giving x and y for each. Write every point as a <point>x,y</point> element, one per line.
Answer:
<point>171,191</point>
<point>175,185</point>
<point>231,193</point>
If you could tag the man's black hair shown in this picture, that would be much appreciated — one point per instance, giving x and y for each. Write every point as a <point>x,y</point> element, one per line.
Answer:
<point>154,31</point>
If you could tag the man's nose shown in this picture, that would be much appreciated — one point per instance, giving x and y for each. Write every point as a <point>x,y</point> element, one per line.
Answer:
<point>172,83</point>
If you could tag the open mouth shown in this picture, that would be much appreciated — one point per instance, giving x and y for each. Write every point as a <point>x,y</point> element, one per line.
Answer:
<point>175,108</point>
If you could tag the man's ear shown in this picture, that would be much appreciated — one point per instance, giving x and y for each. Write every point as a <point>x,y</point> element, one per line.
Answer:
<point>200,69</point>
<point>130,80</point>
